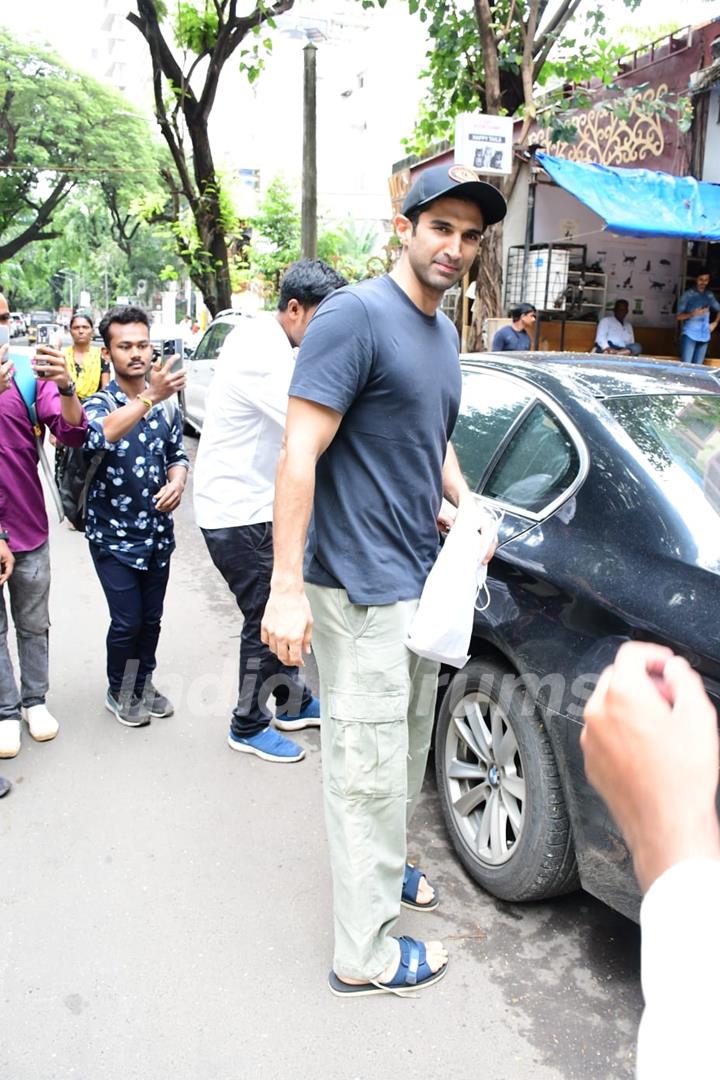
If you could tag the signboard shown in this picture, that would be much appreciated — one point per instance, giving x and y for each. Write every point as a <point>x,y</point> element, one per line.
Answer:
<point>484,143</point>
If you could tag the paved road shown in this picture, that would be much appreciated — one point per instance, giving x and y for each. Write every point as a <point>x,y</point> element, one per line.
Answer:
<point>165,903</point>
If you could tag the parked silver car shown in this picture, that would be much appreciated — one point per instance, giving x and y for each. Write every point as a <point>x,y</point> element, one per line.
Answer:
<point>201,367</point>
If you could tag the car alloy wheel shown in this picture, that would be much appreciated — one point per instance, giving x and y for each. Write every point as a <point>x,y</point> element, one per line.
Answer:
<point>500,790</point>
<point>486,782</point>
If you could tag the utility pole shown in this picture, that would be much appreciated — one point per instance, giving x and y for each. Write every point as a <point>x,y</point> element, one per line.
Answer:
<point>309,173</point>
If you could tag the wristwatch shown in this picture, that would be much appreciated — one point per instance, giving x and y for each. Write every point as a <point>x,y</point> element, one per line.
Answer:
<point>4,536</point>
<point>68,391</point>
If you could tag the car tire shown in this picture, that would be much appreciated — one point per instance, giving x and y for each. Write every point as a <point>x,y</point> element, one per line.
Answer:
<point>502,799</point>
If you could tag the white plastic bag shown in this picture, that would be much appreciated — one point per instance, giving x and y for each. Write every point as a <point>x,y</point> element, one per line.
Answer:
<point>443,623</point>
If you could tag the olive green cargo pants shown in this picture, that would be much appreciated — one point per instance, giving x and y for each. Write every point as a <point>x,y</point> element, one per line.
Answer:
<point>377,709</point>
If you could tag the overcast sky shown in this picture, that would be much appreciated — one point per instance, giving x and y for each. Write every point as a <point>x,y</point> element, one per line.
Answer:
<point>70,26</point>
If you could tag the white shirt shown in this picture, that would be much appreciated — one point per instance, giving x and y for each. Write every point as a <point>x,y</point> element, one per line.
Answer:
<point>611,329</point>
<point>680,920</point>
<point>234,476</point>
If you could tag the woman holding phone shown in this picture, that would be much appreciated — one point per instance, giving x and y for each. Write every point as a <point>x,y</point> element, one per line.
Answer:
<point>87,369</point>
<point>85,364</point>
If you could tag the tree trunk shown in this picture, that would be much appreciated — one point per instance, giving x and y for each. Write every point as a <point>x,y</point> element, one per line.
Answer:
<point>213,277</point>
<point>488,294</point>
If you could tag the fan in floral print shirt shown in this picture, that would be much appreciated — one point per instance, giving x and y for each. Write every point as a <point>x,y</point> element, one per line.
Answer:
<point>122,514</point>
<point>140,481</point>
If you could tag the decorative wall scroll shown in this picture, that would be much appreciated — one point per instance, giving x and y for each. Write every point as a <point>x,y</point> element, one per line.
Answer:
<point>606,139</point>
<point>399,184</point>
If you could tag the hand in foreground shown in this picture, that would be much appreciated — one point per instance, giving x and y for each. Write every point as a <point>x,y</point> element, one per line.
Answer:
<point>6,369</point>
<point>164,382</point>
<point>51,366</point>
<point>287,626</point>
<point>651,750</point>
<point>7,562</point>
<point>169,496</point>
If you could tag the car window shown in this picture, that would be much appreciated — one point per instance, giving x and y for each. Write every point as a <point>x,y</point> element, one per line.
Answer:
<point>210,345</point>
<point>678,434</point>
<point>490,405</point>
<point>538,464</point>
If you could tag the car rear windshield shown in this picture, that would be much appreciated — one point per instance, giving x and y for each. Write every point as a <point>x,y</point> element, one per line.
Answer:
<point>676,431</point>
<point>41,317</point>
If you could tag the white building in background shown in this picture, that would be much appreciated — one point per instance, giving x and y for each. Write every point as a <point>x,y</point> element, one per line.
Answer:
<point>368,91</point>
<point>368,63</point>
<point>120,55</point>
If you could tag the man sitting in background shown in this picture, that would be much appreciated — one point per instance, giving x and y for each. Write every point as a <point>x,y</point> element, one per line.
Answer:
<point>615,335</point>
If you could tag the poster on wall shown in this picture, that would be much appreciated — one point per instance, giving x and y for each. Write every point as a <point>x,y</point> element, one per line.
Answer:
<point>484,143</point>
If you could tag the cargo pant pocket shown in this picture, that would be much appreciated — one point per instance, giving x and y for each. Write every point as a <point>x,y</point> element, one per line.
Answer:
<point>368,743</point>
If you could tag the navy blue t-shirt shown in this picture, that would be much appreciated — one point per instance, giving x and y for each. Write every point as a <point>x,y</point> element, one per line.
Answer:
<point>509,340</point>
<point>394,374</point>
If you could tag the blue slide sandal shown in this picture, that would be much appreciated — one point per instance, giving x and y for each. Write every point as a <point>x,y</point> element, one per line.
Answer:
<point>412,974</point>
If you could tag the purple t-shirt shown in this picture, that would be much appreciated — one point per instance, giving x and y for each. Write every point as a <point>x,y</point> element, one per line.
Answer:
<point>22,504</point>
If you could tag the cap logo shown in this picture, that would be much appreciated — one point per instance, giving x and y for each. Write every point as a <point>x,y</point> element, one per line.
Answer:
<point>462,174</point>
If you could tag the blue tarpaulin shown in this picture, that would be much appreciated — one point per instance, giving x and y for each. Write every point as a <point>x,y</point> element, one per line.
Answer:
<point>639,202</point>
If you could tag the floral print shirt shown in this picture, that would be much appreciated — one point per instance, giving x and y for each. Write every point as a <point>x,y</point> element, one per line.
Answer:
<point>121,514</point>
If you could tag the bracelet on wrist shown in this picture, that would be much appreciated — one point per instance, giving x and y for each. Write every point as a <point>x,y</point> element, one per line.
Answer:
<point>145,400</point>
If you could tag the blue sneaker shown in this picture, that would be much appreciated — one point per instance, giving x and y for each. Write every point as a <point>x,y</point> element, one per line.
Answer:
<point>309,717</point>
<point>268,745</point>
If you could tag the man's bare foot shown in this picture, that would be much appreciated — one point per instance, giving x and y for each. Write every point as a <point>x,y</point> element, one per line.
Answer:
<point>435,956</point>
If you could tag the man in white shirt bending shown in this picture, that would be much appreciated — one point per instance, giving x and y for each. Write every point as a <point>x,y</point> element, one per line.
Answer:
<point>651,750</point>
<point>234,488</point>
<point>615,334</point>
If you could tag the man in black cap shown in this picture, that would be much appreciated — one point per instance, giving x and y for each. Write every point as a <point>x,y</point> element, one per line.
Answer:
<point>373,402</point>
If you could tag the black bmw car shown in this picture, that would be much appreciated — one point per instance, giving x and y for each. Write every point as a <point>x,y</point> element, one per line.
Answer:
<point>607,472</point>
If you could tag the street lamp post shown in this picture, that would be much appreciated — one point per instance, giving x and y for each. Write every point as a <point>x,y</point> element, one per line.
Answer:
<point>309,174</point>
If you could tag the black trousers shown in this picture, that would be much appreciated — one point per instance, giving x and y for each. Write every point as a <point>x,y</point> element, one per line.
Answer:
<point>244,557</point>
<point>135,599</point>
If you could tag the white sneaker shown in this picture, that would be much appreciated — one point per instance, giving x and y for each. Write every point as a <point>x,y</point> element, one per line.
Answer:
<point>9,738</point>
<point>43,725</point>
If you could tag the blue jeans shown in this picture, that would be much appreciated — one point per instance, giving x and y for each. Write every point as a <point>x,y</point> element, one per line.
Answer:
<point>135,599</point>
<point>691,351</point>
<point>29,589</point>
<point>244,556</point>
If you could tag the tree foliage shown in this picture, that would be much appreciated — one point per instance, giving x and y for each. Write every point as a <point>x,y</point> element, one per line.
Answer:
<point>86,253</point>
<point>208,32</point>
<point>60,133</point>
<point>496,56</point>
<point>274,243</point>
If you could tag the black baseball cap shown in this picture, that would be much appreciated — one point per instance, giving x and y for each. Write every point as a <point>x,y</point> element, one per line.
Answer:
<point>460,182</point>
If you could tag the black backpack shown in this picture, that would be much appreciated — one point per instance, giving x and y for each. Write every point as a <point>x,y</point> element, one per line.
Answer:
<point>77,474</point>
<point>79,470</point>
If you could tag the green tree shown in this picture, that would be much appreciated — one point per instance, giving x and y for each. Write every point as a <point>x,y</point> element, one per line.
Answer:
<point>349,248</point>
<point>208,32</point>
<point>60,133</point>
<point>275,241</point>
